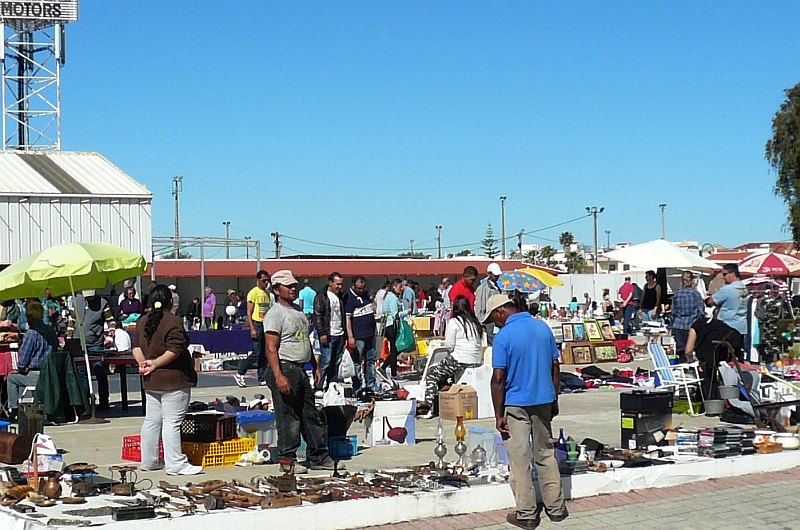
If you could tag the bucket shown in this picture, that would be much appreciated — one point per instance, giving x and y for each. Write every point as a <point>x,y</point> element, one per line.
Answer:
<point>729,392</point>
<point>714,407</point>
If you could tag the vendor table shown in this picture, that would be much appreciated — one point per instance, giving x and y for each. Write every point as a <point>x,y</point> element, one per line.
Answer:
<point>123,360</point>
<point>223,341</point>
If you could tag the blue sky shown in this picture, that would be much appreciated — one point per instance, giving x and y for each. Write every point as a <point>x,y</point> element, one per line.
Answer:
<point>368,123</point>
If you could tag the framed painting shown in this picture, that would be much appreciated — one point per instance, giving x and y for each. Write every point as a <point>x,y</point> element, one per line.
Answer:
<point>582,354</point>
<point>605,353</point>
<point>605,329</point>
<point>579,332</point>
<point>593,332</point>
<point>566,332</point>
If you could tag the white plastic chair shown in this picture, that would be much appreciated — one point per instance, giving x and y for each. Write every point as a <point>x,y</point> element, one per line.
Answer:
<point>434,358</point>
<point>676,376</point>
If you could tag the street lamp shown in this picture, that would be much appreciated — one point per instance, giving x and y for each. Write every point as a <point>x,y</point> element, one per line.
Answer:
<point>593,211</point>
<point>608,239</point>
<point>663,207</point>
<point>227,225</point>
<point>439,238</point>
<point>248,238</point>
<point>503,222</point>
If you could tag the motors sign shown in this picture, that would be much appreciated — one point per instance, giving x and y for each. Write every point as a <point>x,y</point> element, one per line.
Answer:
<point>46,10</point>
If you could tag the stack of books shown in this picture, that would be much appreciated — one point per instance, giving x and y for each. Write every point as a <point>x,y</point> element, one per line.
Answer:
<point>747,442</point>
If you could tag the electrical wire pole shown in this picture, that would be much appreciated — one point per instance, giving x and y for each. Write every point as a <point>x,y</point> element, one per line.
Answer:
<point>177,187</point>
<point>227,225</point>
<point>519,242</point>
<point>663,207</point>
<point>439,239</point>
<point>503,222</point>
<point>608,239</point>
<point>277,236</point>
<point>412,247</point>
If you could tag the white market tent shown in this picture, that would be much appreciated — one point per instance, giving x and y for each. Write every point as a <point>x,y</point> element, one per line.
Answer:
<point>660,254</point>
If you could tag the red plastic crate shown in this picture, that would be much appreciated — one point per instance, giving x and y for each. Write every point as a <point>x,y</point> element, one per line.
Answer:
<point>132,448</point>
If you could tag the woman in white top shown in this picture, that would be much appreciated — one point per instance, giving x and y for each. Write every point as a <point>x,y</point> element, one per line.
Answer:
<point>463,342</point>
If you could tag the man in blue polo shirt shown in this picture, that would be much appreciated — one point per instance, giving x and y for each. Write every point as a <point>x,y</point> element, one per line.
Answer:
<point>524,392</point>
<point>360,315</point>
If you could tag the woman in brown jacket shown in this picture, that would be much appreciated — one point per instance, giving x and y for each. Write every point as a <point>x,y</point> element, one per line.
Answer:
<point>161,346</point>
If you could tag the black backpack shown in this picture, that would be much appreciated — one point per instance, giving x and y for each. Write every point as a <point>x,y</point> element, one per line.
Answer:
<point>637,292</point>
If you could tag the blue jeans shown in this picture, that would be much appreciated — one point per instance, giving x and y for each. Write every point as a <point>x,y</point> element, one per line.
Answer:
<point>365,352</point>
<point>627,314</point>
<point>330,357</point>
<point>259,354</point>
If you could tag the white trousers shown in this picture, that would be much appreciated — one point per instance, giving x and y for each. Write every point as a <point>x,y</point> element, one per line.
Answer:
<point>165,413</point>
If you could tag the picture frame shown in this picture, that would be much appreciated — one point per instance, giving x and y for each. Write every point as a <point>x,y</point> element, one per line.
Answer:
<point>579,332</point>
<point>582,354</point>
<point>593,332</point>
<point>604,353</point>
<point>606,329</point>
<point>567,333</point>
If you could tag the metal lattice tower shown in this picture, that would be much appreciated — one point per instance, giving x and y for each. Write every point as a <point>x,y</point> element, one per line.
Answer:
<point>33,53</point>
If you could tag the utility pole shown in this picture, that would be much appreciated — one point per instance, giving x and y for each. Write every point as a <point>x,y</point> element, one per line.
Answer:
<point>277,236</point>
<point>439,238</point>
<point>177,187</point>
<point>503,222</point>
<point>227,225</point>
<point>593,211</point>
<point>247,245</point>
<point>412,247</point>
<point>519,243</point>
<point>663,207</point>
<point>608,239</point>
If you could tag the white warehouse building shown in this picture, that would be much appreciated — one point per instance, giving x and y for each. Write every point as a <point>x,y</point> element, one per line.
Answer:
<point>52,197</point>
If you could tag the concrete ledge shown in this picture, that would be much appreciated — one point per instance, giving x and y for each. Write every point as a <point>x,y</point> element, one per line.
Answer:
<point>449,501</point>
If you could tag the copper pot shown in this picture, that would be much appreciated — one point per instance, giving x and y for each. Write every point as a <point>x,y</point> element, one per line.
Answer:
<point>52,488</point>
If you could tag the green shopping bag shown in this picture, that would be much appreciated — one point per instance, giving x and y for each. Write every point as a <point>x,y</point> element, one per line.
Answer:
<point>405,337</point>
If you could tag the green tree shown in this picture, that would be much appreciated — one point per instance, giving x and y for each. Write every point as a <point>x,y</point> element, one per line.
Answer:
<point>574,262</point>
<point>530,256</point>
<point>546,254</point>
<point>783,154</point>
<point>566,239</point>
<point>181,255</point>
<point>489,243</point>
<point>465,252</point>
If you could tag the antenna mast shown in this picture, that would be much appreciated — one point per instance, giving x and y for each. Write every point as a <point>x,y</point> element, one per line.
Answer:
<point>32,55</point>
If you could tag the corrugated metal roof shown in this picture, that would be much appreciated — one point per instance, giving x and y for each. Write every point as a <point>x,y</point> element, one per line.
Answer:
<point>62,172</point>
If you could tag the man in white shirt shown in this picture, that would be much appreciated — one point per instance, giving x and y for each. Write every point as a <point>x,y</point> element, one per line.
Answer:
<point>329,322</point>
<point>444,290</point>
<point>380,296</point>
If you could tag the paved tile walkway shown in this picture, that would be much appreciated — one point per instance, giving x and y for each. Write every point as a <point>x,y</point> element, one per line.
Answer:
<point>763,501</point>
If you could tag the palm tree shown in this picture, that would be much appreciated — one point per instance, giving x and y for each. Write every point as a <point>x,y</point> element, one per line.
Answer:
<point>566,239</point>
<point>573,261</point>
<point>530,256</point>
<point>546,254</point>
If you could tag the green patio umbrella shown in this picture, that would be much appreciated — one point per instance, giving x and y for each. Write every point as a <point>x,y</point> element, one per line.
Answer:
<point>69,268</point>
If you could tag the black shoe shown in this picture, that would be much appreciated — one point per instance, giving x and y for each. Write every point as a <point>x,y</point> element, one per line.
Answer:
<point>103,406</point>
<point>511,518</point>
<point>559,518</point>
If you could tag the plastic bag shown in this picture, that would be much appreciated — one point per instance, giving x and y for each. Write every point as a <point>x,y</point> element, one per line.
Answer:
<point>334,396</point>
<point>347,367</point>
<point>405,337</point>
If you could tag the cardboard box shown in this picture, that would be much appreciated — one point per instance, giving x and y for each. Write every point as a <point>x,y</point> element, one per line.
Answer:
<point>458,400</point>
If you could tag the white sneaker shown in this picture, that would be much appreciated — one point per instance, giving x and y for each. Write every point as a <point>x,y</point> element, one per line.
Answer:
<point>188,469</point>
<point>239,380</point>
<point>428,415</point>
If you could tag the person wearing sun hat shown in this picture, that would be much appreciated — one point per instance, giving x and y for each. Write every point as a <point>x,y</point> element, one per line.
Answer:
<point>525,385</point>
<point>176,299</point>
